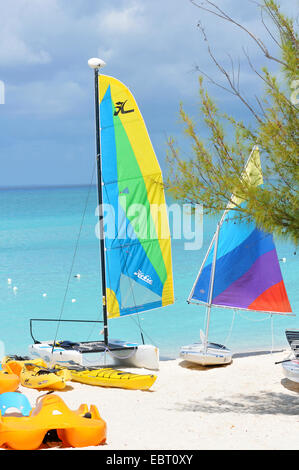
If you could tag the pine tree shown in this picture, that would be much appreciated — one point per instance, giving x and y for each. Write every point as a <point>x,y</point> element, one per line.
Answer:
<point>213,172</point>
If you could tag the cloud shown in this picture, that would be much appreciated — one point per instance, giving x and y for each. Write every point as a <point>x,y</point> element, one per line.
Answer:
<point>129,20</point>
<point>16,47</point>
<point>46,98</point>
<point>15,52</point>
<point>152,47</point>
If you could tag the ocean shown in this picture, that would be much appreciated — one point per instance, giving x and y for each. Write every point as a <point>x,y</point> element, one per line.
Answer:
<point>38,233</point>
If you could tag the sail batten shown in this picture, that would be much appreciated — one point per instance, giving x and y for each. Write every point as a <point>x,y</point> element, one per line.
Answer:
<point>138,251</point>
<point>247,270</point>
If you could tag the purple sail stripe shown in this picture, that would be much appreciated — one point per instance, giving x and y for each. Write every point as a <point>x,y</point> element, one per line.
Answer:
<point>264,273</point>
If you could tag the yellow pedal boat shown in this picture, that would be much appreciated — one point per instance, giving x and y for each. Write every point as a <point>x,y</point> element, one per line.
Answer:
<point>81,428</point>
<point>108,377</point>
<point>9,381</point>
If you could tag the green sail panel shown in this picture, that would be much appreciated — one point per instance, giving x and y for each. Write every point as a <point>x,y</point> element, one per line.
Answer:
<point>138,251</point>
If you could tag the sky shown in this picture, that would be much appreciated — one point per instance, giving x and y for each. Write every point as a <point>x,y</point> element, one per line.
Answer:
<point>153,46</point>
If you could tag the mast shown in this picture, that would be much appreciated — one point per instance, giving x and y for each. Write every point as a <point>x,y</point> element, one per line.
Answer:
<point>211,288</point>
<point>96,64</point>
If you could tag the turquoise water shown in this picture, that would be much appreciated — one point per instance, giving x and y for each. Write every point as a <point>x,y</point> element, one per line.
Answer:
<point>38,231</point>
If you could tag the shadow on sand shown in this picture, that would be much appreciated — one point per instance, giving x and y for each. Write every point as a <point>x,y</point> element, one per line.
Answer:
<point>263,404</point>
<point>192,366</point>
<point>260,404</point>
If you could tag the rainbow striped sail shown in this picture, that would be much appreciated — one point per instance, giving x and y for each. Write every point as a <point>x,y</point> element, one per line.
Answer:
<point>247,272</point>
<point>138,264</point>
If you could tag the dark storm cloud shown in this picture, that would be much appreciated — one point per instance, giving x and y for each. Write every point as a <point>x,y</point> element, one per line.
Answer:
<point>153,46</point>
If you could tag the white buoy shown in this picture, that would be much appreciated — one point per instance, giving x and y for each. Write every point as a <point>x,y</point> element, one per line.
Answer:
<point>44,294</point>
<point>74,300</point>
<point>15,289</point>
<point>8,281</point>
<point>96,63</point>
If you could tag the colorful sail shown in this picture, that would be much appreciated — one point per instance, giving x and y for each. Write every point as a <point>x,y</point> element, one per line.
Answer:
<point>138,262</point>
<point>247,271</point>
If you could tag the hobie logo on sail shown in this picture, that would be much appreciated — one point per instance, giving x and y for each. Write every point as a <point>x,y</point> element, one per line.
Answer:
<point>120,108</point>
<point>143,277</point>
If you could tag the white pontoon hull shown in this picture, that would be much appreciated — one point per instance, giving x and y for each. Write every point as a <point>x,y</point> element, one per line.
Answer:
<point>291,370</point>
<point>214,355</point>
<point>144,356</point>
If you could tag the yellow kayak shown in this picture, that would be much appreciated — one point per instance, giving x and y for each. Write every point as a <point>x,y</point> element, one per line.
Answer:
<point>112,378</point>
<point>35,373</point>
<point>16,363</point>
<point>34,376</point>
<point>40,378</point>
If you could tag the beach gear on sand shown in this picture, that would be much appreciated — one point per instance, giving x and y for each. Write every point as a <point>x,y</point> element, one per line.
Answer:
<point>38,377</point>
<point>81,428</point>
<point>290,366</point>
<point>16,401</point>
<point>240,271</point>
<point>291,370</point>
<point>136,265</point>
<point>107,377</point>
<point>16,363</point>
<point>36,374</point>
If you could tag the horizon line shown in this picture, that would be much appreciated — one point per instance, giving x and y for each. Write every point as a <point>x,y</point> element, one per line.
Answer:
<point>47,186</point>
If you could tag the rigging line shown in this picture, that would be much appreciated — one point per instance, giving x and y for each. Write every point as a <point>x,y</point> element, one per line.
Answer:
<point>272,334</point>
<point>122,248</point>
<point>74,255</point>
<point>132,317</point>
<point>252,319</point>
<point>124,257</point>
<point>231,328</point>
<point>131,286</point>
<point>99,271</point>
<point>211,247</point>
<point>145,333</point>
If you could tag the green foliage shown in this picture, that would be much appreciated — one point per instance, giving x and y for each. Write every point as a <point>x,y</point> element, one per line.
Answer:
<point>213,172</point>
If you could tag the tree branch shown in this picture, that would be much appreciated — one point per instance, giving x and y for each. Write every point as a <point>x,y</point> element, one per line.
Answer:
<point>221,14</point>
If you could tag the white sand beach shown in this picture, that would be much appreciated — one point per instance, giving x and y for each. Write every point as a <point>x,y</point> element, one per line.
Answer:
<point>246,405</point>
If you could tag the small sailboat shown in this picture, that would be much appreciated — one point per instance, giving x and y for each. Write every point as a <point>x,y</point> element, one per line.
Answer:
<point>293,340</point>
<point>240,271</point>
<point>136,265</point>
<point>291,370</point>
<point>291,367</point>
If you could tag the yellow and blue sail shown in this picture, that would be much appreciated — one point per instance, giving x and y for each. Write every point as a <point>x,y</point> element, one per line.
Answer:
<point>138,265</point>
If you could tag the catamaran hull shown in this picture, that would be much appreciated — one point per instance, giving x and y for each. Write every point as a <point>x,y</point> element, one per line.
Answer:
<point>142,356</point>
<point>291,370</point>
<point>215,354</point>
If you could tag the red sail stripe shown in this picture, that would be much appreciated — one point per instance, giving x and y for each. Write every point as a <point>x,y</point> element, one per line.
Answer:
<point>274,299</point>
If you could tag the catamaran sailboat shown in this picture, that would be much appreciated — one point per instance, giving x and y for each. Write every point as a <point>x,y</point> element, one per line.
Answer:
<point>240,271</point>
<point>136,266</point>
